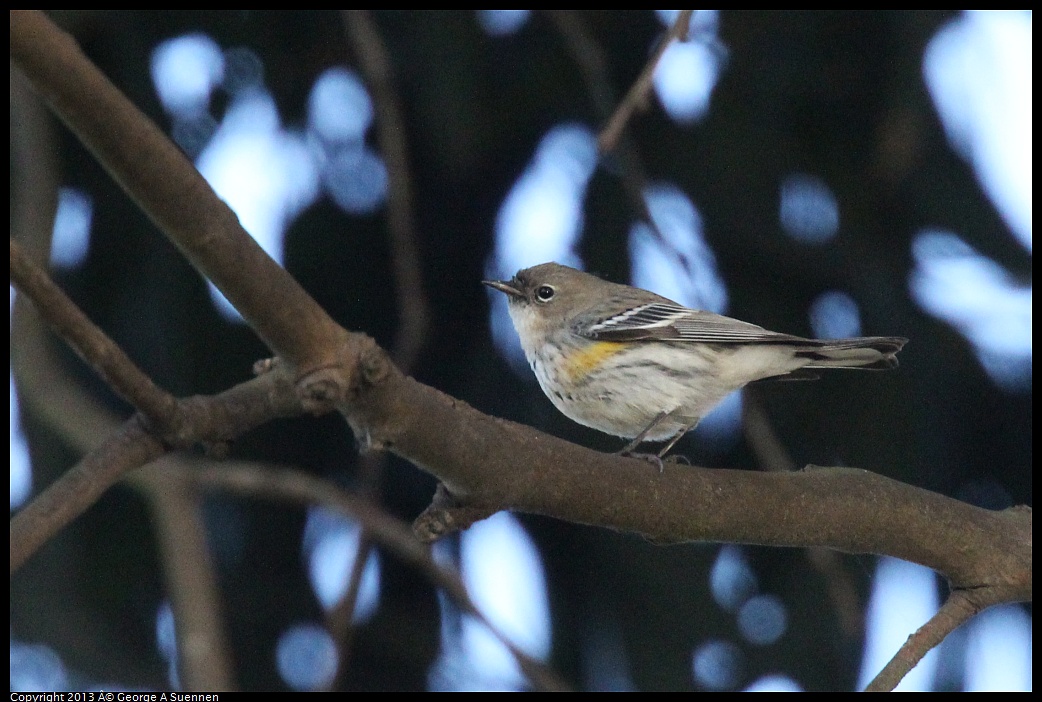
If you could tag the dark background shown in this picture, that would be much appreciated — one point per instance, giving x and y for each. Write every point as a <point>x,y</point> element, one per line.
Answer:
<point>836,94</point>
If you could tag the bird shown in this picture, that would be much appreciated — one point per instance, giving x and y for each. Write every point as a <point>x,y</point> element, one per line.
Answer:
<point>634,364</point>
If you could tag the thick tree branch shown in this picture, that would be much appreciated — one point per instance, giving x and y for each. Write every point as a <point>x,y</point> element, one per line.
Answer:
<point>488,461</point>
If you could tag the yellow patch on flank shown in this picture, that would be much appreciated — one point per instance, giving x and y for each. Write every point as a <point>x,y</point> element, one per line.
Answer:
<point>579,363</point>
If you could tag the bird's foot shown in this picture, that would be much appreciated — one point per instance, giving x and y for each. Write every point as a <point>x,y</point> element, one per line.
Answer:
<point>652,458</point>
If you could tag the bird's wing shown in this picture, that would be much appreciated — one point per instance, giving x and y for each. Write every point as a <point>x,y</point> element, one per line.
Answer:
<point>662,321</point>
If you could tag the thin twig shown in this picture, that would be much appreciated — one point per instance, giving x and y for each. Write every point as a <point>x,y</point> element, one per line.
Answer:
<point>638,93</point>
<point>90,343</point>
<point>211,419</point>
<point>769,450</point>
<point>34,170</point>
<point>203,653</point>
<point>772,455</point>
<point>340,619</point>
<point>391,133</point>
<point>956,610</point>
<point>589,56</point>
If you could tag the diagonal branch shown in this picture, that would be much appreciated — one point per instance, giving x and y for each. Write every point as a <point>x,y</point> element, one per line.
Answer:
<point>91,344</point>
<point>414,313</point>
<point>204,657</point>
<point>129,448</point>
<point>589,56</point>
<point>171,192</point>
<point>217,418</point>
<point>638,93</point>
<point>959,608</point>
<point>163,421</point>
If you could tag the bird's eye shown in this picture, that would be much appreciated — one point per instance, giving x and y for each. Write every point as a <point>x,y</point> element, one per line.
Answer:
<point>544,293</point>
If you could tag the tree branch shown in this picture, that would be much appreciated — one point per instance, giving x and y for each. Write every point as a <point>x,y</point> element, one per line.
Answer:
<point>391,133</point>
<point>488,461</point>
<point>172,193</point>
<point>91,344</point>
<point>414,313</point>
<point>80,487</point>
<point>638,93</point>
<point>203,654</point>
<point>960,606</point>
<point>589,56</point>
<point>211,420</point>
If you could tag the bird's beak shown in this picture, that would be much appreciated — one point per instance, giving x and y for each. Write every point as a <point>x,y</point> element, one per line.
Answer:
<point>504,286</point>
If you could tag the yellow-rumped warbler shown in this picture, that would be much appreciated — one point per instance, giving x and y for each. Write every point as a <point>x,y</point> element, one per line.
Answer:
<point>634,364</point>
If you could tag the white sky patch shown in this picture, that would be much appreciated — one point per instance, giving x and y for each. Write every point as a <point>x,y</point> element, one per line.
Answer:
<point>541,220</point>
<point>808,209</point>
<point>679,264</point>
<point>998,651</point>
<point>185,70</point>
<point>554,185</point>
<point>166,642</point>
<point>978,70</point>
<point>21,468</point>
<point>687,71</point>
<point>35,668</point>
<point>307,657</point>
<point>71,236</point>
<point>979,298</point>
<point>503,572</point>
<point>717,664</point>
<point>331,544</point>
<point>835,315</point>
<point>356,179</point>
<point>339,107</point>
<point>774,683</point>
<point>763,619</point>
<point>731,579</point>
<point>500,23</point>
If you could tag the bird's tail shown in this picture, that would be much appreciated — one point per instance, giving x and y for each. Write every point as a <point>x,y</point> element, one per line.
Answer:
<point>866,352</point>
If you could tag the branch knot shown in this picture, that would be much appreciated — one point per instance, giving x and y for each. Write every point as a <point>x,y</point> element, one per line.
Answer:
<point>321,390</point>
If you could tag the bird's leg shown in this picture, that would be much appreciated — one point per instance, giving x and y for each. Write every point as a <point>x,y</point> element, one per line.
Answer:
<point>639,439</point>
<point>675,439</point>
